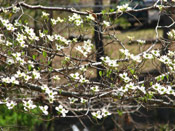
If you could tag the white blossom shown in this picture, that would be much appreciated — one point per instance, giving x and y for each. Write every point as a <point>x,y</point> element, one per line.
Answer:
<point>72,100</point>
<point>95,88</point>
<point>44,109</point>
<point>97,114</point>
<point>11,104</point>
<point>28,105</point>
<point>61,110</point>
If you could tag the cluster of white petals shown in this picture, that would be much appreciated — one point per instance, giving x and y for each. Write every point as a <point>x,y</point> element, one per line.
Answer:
<point>101,113</point>
<point>76,19</point>
<point>61,110</point>
<point>109,62</point>
<point>123,8</point>
<point>86,48</point>
<point>7,24</point>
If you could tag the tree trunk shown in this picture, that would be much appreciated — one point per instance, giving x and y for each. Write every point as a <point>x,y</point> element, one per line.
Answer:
<point>98,38</point>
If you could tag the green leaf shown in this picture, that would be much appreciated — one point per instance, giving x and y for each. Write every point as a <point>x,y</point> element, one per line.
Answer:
<point>34,57</point>
<point>100,73</point>
<point>103,12</point>
<point>44,54</point>
<point>29,67</point>
<point>60,91</point>
<point>162,77</point>
<point>132,71</point>
<point>167,76</point>
<point>111,10</point>
<point>120,113</point>
<point>158,79</point>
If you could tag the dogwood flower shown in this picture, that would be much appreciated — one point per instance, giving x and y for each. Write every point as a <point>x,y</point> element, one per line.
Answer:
<point>13,80</point>
<point>28,105</point>
<point>59,47</point>
<point>76,19</point>
<point>95,88</point>
<point>83,101</point>
<point>15,9</point>
<point>86,48</point>
<point>123,89</point>
<point>123,8</point>
<point>44,109</point>
<point>8,43</point>
<point>171,53</point>
<point>141,42</point>
<point>83,80</point>
<point>125,77</point>
<point>156,53</point>
<point>75,76</point>
<point>106,23</point>
<point>97,114</point>
<point>147,55</point>
<point>56,77</point>
<point>72,100</point>
<point>6,80</point>
<point>105,112</point>
<point>11,104</point>
<point>171,34</point>
<point>165,59</point>
<point>125,52</point>
<point>90,17</point>
<point>141,88</point>
<point>61,110</point>
<point>44,14</point>
<point>130,86</point>
<point>36,74</point>
<point>136,58</point>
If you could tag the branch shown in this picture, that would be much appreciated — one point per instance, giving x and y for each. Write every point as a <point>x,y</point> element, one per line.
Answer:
<point>72,10</point>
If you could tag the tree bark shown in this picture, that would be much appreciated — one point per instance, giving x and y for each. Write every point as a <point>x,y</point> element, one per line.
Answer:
<point>98,38</point>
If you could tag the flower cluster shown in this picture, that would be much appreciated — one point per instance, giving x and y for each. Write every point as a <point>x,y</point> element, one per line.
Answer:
<point>90,17</point>
<point>7,24</point>
<point>9,103</point>
<point>31,34</point>
<point>141,42</point>
<point>45,15</point>
<point>77,76</point>
<point>15,9</point>
<point>11,79</point>
<point>101,113</point>
<point>76,19</point>
<point>61,39</point>
<point>55,21</point>
<point>51,94</point>
<point>23,75</point>
<point>130,86</point>
<point>125,77</point>
<point>86,48</point>
<point>21,40</point>
<point>163,90</point>
<point>171,34</point>
<point>126,52</point>
<point>123,8</point>
<point>109,62</point>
